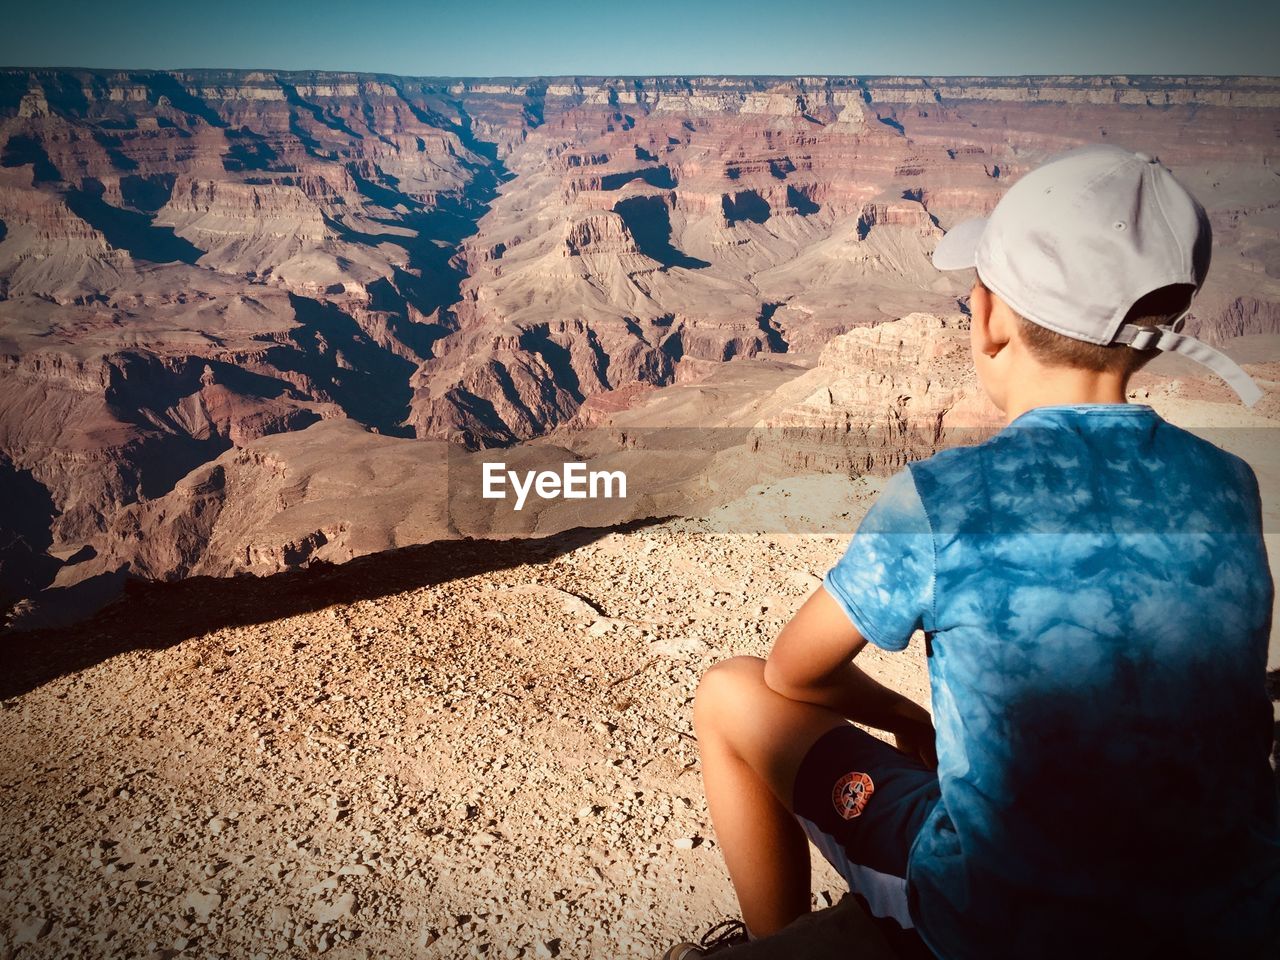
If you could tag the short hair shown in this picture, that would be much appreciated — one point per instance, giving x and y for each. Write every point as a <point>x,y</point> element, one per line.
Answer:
<point>1161,306</point>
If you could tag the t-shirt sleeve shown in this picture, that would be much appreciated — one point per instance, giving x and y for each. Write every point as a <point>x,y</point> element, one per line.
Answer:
<point>884,581</point>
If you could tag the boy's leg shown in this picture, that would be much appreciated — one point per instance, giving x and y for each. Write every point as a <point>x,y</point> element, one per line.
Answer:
<point>752,742</point>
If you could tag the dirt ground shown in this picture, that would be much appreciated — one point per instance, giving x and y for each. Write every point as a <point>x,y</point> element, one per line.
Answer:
<point>495,762</point>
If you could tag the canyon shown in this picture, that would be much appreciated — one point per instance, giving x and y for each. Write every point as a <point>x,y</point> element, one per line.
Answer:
<point>253,321</point>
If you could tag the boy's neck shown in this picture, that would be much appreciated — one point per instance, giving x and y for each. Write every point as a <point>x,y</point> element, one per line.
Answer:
<point>1056,386</point>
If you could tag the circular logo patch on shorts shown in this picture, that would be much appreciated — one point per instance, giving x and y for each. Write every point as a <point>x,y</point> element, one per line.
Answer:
<point>851,794</point>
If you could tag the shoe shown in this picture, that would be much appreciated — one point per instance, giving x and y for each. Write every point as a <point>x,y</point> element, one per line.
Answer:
<point>728,933</point>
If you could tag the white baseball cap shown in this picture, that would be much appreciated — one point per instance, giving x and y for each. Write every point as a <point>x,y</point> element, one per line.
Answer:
<point>1076,242</point>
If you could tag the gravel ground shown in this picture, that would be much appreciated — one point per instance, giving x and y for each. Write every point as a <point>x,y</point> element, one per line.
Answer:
<point>495,764</point>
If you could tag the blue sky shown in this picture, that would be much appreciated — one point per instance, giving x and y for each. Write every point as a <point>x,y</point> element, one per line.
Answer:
<point>570,37</point>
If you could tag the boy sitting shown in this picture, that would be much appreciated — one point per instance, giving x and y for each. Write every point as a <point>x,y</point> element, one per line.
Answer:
<point>1096,604</point>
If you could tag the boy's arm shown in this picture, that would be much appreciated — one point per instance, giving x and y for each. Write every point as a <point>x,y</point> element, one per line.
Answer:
<point>812,661</point>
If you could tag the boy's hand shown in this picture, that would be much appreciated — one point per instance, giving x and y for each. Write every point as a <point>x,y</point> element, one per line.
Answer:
<point>918,740</point>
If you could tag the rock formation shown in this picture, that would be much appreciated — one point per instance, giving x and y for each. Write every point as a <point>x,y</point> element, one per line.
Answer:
<point>882,396</point>
<point>194,262</point>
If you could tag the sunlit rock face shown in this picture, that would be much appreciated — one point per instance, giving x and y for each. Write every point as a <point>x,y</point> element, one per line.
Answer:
<point>193,262</point>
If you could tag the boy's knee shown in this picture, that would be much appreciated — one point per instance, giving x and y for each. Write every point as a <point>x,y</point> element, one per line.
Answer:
<point>725,686</point>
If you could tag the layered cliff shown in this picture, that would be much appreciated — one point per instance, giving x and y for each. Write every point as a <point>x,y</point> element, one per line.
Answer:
<point>880,397</point>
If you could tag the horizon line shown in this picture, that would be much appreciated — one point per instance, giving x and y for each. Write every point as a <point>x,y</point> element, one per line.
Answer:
<point>646,76</point>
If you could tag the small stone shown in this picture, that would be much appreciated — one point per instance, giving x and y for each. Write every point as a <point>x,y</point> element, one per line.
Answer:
<point>328,883</point>
<point>31,930</point>
<point>340,909</point>
<point>203,903</point>
<point>686,843</point>
<point>427,936</point>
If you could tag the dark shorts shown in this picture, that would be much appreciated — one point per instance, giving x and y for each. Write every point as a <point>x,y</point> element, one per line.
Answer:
<point>862,804</point>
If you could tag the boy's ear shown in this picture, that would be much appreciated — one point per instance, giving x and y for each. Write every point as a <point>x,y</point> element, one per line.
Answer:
<point>981,306</point>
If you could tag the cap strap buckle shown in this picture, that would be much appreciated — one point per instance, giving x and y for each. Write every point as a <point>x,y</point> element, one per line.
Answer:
<point>1145,338</point>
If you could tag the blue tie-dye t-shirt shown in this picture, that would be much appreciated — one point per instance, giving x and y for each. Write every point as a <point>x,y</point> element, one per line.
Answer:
<point>1096,602</point>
